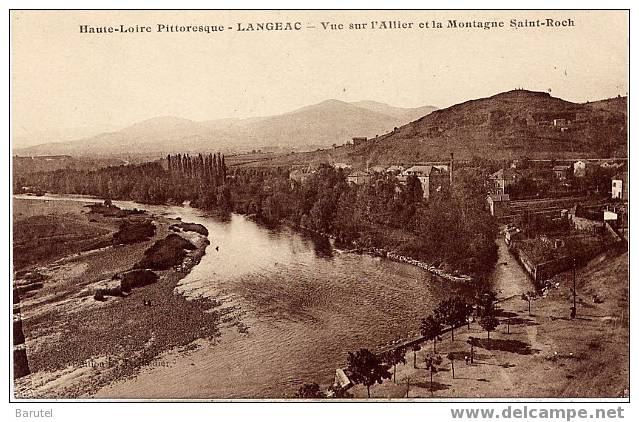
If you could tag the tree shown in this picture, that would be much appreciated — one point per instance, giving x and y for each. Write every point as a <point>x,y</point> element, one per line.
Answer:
<point>432,368</point>
<point>470,309</point>
<point>489,322</point>
<point>453,312</point>
<point>416,348</point>
<point>394,357</point>
<point>310,391</point>
<point>471,342</point>
<point>414,192</point>
<point>366,368</point>
<point>431,329</point>
<point>486,302</point>
<point>460,311</point>
<point>451,358</point>
<point>529,296</point>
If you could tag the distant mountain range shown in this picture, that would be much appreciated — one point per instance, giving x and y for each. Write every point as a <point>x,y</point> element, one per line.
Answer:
<point>508,125</point>
<point>24,139</point>
<point>316,126</point>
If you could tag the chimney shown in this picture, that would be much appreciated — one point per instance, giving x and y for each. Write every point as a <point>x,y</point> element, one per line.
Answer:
<point>450,170</point>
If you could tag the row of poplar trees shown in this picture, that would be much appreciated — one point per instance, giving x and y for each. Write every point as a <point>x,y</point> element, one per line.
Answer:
<point>208,168</point>
<point>202,179</point>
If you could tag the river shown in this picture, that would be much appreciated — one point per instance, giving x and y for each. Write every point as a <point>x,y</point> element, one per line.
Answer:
<point>306,305</point>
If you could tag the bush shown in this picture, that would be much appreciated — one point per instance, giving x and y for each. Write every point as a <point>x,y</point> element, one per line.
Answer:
<point>132,232</point>
<point>137,278</point>
<point>165,253</point>
<point>100,294</point>
<point>113,211</point>
<point>310,391</point>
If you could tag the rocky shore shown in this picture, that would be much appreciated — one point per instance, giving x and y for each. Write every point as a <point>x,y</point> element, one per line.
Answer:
<point>77,342</point>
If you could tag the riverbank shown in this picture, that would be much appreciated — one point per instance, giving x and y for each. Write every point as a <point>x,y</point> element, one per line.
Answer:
<point>456,276</point>
<point>542,354</point>
<point>76,344</point>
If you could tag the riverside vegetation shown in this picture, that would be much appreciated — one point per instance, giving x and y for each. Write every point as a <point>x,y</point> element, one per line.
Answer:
<point>452,230</point>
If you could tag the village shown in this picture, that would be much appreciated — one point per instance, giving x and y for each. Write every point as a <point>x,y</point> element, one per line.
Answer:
<point>560,221</point>
<point>553,214</point>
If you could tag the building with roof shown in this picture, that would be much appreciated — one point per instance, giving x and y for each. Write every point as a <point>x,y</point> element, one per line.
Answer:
<point>359,140</point>
<point>503,178</point>
<point>299,175</point>
<point>419,171</point>
<point>395,169</point>
<point>620,186</point>
<point>377,169</point>
<point>561,172</point>
<point>498,204</point>
<point>342,166</point>
<point>358,177</point>
<point>433,180</point>
<point>579,168</point>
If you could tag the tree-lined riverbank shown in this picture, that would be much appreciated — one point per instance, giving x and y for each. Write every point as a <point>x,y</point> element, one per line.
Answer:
<point>451,230</point>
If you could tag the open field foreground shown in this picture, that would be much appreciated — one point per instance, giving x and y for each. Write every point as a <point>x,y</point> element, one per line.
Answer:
<point>541,354</point>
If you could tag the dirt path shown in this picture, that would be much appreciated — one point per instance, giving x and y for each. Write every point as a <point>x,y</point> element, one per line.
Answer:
<point>508,278</point>
<point>542,354</point>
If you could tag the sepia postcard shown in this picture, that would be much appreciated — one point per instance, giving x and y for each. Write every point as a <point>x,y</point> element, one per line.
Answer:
<point>328,205</point>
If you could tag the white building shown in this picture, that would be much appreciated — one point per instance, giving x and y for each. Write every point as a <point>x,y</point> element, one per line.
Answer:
<point>620,186</point>
<point>579,168</point>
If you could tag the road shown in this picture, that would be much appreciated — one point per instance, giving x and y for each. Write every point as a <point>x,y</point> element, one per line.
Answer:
<point>509,278</point>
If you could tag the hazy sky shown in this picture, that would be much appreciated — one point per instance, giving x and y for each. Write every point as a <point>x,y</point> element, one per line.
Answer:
<point>65,79</point>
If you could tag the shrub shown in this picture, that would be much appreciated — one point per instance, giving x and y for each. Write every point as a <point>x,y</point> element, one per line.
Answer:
<point>165,253</point>
<point>113,211</point>
<point>100,294</point>
<point>137,278</point>
<point>132,232</point>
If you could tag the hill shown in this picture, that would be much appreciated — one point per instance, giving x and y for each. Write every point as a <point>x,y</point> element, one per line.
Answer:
<point>23,138</point>
<point>308,128</point>
<point>407,114</point>
<point>322,124</point>
<point>25,165</point>
<point>507,125</point>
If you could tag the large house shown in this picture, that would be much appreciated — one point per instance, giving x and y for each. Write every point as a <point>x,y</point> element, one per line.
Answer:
<point>620,186</point>
<point>503,178</point>
<point>432,179</point>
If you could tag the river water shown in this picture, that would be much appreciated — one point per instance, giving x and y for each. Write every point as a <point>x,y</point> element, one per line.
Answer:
<point>305,303</point>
